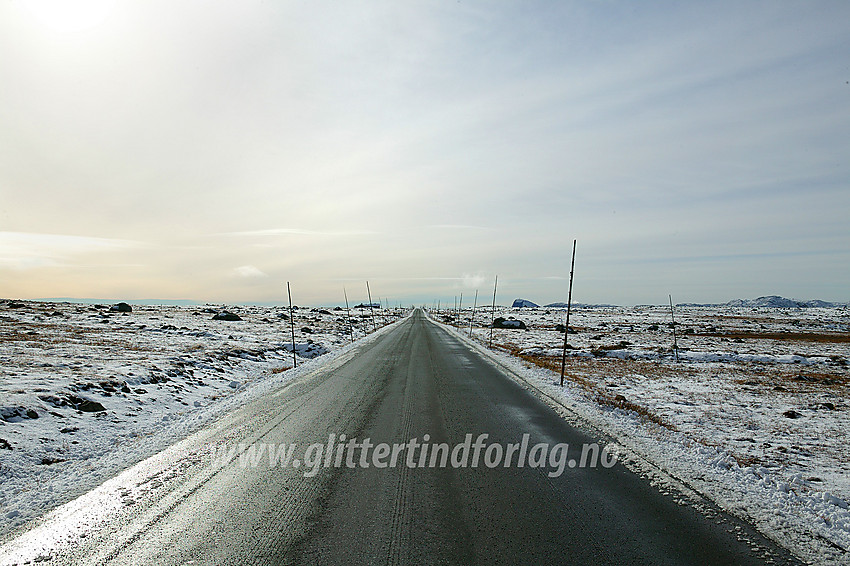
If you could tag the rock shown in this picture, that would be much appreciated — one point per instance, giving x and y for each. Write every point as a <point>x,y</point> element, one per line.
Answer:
<point>509,323</point>
<point>85,405</point>
<point>89,406</point>
<point>523,304</point>
<point>17,414</point>
<point>225,315</point>
<point>53,400</point>
<point>561,328</point>
<point>806,378</point>
<point>14,305</point>
<point>121,307</point>
<point>791,414</point>
<point>4,444</point>
<point>307,330</point>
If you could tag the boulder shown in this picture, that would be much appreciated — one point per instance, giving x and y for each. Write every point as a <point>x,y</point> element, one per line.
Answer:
<point>121,307</point>
<point>17,414</point>
<point>225,315</point>
<point>509,323</point>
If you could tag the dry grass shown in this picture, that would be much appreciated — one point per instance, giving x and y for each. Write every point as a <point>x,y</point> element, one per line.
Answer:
<point>795,379</point>
<point>817,337</point>
<point>50,334</point>
<point>610,367</point>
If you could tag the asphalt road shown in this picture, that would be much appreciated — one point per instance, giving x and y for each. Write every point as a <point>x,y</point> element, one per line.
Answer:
<point>415,379</point>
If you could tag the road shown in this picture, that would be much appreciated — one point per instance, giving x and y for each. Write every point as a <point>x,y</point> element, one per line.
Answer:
<point>415,379</point>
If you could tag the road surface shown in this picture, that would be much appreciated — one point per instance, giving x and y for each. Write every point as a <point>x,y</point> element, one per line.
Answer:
<point>415,379</point>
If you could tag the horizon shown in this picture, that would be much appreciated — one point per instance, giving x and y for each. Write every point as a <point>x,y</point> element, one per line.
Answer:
<point>391,304</point>
<point>217,150</point>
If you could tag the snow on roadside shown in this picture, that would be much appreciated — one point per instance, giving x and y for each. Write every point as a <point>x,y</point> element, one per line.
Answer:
<point>86,391</point>
<point>753,416</point>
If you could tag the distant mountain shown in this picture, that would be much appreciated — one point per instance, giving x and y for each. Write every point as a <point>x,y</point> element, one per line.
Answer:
<point>774,301</point>
<point>770,301</point>
<point>90,301</point>
<point>522,303</point>
<point>579,306</point>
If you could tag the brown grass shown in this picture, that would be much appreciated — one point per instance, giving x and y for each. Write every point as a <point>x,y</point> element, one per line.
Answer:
<point>794,378</point>
<point>48,334</point>
<point>818,337</point>
<point>600,394</point>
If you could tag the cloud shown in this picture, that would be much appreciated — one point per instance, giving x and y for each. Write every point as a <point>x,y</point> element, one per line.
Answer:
<point>249,272</point>
<point>459,227</point>
<point>301,232</point>
<point>24,251</point>
<point>472,281</point>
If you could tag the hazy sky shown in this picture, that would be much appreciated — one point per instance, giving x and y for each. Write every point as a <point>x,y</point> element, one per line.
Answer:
<point>215,150</point>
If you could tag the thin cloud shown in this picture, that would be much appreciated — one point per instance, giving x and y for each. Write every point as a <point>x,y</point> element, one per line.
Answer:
<point>24,250</point>
<point>300,232</point>
<point>458,227</point>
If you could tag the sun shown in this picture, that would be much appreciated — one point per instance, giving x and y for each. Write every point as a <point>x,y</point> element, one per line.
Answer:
<point>69,15</point>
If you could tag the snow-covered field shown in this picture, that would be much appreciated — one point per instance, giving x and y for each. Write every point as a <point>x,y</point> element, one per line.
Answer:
<point>86,391</point>
<point>754,414</point>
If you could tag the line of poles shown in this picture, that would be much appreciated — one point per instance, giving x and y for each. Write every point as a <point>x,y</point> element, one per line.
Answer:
<point>457,319</point>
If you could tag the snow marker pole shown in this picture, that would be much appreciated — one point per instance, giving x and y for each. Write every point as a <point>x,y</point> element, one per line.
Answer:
<point>569,304</point>
<point>493,312</point>
<point>291,325</point>
<point>471,318</point>
<point>348,315</point>
<point>371,308</point>
<point>673,319</point>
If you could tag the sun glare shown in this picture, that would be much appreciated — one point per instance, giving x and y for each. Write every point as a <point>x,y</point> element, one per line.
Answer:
<point>69,16</point>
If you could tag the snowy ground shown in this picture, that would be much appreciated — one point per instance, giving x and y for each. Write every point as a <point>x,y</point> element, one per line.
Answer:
<point>754,415</point>
<point>86,392</point>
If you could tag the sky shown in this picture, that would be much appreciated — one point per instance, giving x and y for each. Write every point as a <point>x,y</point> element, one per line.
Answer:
<point>214,150</point>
